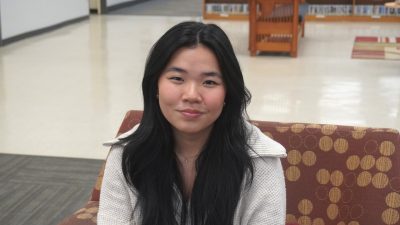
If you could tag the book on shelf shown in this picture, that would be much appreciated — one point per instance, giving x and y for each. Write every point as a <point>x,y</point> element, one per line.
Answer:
<point>329,10</point>
<point>358,10</point>
<point>226,8</point>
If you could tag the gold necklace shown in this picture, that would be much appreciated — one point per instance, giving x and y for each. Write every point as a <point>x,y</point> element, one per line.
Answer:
<point>186,160</point>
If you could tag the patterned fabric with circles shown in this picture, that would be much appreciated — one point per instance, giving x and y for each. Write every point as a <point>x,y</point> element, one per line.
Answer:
<point>339,175</point>
<point>335,175</point>
<point>84,216</point>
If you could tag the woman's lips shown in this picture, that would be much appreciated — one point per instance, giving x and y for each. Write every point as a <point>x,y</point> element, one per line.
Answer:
<point>191,113</point>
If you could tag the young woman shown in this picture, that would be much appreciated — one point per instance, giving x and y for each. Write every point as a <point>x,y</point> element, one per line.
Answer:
<point>193,159</point>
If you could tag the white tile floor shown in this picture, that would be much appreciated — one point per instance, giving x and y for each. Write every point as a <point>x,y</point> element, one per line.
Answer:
<point>64,92</point>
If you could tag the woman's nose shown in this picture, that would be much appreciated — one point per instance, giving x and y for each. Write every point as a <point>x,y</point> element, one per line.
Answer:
<point>191,93</point>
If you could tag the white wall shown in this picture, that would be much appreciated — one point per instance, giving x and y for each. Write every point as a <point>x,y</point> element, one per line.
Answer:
<point>22,16</point>
<point>115,2</point>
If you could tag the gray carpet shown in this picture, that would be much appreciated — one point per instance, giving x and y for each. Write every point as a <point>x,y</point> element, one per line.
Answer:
<point>43,190</point>
<point>191,8</point>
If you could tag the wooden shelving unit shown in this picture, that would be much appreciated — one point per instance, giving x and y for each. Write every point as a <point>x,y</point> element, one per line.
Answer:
<point>211,14</point>
<point>224,16</point>
<point>353,15</point>
<point>225,9</point>
<point>352,18</point>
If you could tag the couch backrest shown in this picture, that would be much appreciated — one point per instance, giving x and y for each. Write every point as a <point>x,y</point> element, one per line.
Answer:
<point>338,175</point>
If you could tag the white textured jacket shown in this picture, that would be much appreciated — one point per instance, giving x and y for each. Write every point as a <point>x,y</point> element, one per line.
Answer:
<point>264,203</point>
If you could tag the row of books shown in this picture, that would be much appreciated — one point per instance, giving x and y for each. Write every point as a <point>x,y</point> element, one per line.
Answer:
<point>362,10</point>
<point>227,8</point>
<point>319,10</point>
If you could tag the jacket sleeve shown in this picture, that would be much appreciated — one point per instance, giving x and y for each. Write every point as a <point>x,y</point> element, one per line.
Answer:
<point>264,202</point>
<point>116,206</point>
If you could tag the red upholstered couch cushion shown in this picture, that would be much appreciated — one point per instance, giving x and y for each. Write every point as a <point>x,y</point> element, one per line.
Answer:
<point>340,175</point>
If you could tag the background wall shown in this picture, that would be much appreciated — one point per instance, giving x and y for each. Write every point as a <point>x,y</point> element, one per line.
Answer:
<point>22,16</point>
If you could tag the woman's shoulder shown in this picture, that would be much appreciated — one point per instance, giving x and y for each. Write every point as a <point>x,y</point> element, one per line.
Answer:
<point>114,159</point>
<point>263,146</point>
<point>116,152</point>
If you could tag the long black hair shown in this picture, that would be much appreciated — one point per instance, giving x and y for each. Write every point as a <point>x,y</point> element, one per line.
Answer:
<point>223,167</point>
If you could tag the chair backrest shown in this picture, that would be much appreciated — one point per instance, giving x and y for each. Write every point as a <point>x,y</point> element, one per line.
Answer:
<point>339,175</point>
<point>276,8</point>
<point>273,26</point>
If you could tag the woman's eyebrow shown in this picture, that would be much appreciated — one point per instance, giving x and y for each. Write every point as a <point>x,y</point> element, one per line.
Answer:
<point>212,74</point>
<point>176,69</point>
<point>180,70</point>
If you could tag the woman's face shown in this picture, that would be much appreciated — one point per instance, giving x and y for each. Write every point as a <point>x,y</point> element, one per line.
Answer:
<point>191,91</point>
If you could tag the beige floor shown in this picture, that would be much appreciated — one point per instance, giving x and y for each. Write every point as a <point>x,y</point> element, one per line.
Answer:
<point>64,92</point>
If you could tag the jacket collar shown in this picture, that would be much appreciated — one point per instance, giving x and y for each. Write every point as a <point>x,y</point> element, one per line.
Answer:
<point>117,140</point>
<point>262,145</point>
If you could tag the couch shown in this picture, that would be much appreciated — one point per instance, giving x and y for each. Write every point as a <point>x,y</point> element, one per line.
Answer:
<point>335,175</point>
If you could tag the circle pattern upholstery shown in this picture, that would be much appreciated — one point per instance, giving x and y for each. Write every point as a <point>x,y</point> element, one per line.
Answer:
<point>335,175</point>
<point>339,174</point>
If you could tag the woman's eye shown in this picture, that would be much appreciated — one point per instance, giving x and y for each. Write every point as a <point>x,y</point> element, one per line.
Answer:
<point>176,79</point>
<point>210,83</point>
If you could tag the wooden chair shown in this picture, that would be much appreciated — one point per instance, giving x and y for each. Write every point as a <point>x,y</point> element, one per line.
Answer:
<point>274,26</point>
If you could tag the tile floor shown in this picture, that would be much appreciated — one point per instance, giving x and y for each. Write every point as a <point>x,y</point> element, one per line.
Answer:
<point>64,92</point>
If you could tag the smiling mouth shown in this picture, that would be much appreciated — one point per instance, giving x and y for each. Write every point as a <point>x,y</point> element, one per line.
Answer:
<point>190,113</point>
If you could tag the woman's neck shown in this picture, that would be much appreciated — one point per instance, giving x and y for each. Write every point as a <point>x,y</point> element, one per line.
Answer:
<point>187,149</point>
<point>188,145</point>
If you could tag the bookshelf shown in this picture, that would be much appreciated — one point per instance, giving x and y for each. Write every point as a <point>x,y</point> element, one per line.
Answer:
<point>351,10</point>
<point>318,10</point>
<point>225,9</point>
